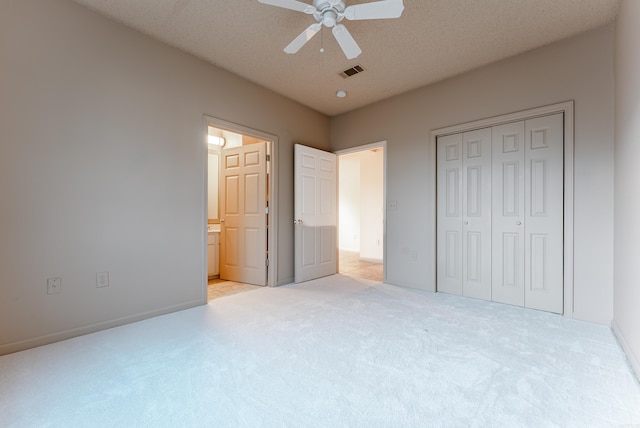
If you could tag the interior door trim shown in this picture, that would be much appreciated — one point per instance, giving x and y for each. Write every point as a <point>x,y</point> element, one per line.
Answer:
<point>567,108</point>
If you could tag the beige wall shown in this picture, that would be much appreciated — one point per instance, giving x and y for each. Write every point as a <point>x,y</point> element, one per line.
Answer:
<point>626,322</point>
<point>102,169</point>
<point>579,69</point>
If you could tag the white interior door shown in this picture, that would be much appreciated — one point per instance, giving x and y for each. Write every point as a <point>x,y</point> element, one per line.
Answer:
<point>315,213</point>
<point>544,195</point>
<point>476,220</point>
<point>243,204</point>
<point>508,221</point>
<point>449,207</point>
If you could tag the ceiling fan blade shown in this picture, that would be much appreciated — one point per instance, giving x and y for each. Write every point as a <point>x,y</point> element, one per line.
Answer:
<point>291,4</point>
<point>303,38</point>
<point>376,10</point>
<point>346,41</point>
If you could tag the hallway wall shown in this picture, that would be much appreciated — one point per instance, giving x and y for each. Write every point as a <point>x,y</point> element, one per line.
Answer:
<point>361,203</point>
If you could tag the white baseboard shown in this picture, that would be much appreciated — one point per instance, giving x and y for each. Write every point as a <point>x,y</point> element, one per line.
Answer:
<point>633,359</point>
<point>22,345</point>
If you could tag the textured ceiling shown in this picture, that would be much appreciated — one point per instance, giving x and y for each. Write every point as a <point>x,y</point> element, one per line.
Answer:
<point>433,40</point>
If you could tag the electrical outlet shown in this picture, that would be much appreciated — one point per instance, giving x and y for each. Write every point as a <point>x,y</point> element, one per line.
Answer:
<point>414,255</point>
<point>54,285</point>
<point>393,205</point>
<point>102,279</point>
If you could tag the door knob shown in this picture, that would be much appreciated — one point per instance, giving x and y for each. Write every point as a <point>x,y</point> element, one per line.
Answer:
<point>518,223</point>
<point>466,223</point>
<point>297,222</point>
<point>222,220</point>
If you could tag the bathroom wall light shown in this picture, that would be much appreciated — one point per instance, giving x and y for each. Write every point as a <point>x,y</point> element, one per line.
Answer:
<point>216,141</point>
<point>341,93</point>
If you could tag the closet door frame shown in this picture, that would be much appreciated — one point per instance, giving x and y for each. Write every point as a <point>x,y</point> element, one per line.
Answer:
<point>567,108</point>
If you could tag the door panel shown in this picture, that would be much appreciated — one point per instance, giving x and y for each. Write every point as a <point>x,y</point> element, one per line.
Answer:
<point>243,232</point>
<point>315,211</point>
<point>476,206</point>
<point>449,207</point>
<point>508,143</point>
<point>230,254</point>
<point>544,247</point>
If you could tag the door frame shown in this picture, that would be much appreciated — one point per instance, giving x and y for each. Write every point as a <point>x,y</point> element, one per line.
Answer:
<point>272,171</point>
<point>567,108</point>
<point>383,145</point>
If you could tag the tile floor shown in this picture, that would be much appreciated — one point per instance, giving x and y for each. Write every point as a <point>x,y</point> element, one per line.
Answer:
<point>221,287</point>
<point>350,264</point>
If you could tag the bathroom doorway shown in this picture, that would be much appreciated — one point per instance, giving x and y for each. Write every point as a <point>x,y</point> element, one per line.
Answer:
<point>239,211</point>
<point>361,211</point>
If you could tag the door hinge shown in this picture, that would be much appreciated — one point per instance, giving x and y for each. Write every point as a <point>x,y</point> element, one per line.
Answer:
<point>266,262</point>
<point>268,158</point>
<point>266,210</point>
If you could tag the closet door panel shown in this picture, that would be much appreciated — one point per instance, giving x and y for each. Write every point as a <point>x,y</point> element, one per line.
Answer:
<point>449,203</point>
<point>476,210</point>
<point>508,153</point>
<point>544,247</point>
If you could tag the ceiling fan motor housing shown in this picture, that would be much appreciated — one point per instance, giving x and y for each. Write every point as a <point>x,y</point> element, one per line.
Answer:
<point>328,12</point>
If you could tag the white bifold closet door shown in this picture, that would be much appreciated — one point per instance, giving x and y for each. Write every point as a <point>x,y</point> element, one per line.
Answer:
<point>508,222</point>
<point>520,174</point>
<point>449,214</point>
<point>464,214</point>
<point>544,206</point>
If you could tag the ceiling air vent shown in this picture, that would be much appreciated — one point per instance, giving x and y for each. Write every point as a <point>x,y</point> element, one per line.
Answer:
<point>352,71</point>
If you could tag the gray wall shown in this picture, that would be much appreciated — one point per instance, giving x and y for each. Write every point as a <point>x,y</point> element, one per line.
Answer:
<point>579,69</point>
<point>102,169</point>
<point>626,295</point>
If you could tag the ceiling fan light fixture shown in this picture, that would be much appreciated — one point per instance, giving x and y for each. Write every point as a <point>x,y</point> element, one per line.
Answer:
<point>341,93</point>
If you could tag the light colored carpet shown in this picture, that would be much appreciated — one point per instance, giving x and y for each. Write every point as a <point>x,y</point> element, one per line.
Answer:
<point>335,352</point>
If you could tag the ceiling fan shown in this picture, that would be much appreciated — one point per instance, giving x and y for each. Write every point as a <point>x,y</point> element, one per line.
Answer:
<point>330,12</point>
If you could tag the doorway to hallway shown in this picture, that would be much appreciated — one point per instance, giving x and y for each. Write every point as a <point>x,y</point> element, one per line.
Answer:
<point>361,211</point>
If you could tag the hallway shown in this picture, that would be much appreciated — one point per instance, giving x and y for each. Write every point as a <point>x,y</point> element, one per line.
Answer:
<point>351,265</point>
